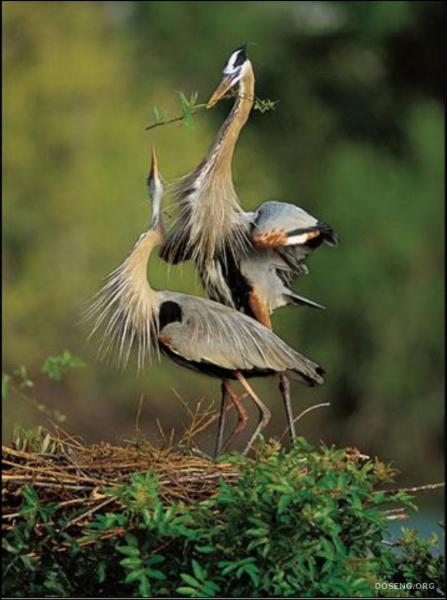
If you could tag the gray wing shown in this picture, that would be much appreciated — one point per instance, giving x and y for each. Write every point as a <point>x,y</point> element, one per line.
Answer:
<point>291,233</point>
<point>293,221</point>
<point>209,332</point>
<point>282,215</point>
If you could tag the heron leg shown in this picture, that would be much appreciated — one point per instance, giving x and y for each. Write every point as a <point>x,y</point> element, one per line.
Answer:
<point>284,388</point>
<point>221,424</point>
<point>241,414</point>
<point>264,413</point>
<point>262,314</point>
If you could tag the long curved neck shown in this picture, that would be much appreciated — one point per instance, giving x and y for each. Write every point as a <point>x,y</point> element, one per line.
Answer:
<point>221,152</point>
<point>129,305</point>
<point>211,218</point>
<point>135,266</point>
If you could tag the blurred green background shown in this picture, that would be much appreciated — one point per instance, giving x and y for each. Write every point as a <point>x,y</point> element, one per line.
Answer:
<point>356,139</point>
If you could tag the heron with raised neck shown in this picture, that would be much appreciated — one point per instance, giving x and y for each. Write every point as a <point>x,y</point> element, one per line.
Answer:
<point>246,260</point>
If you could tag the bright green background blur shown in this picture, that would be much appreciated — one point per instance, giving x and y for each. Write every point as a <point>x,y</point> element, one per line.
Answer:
<point>356,139</point>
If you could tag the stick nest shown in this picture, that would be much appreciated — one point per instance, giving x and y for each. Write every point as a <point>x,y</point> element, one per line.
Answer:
<point>67,471</point>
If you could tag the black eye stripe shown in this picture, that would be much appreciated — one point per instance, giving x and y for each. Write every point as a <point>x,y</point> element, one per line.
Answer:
<point>241,58</point>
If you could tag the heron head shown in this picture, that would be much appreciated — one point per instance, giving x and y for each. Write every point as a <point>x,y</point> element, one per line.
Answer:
<point>155,186</point>
<point>235,68</point>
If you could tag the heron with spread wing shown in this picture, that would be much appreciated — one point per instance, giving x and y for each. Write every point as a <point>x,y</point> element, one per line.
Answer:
<point>246,260</point>
<point>197,333</point>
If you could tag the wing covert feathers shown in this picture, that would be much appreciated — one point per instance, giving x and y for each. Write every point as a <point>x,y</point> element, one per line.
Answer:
<point>212,332</point>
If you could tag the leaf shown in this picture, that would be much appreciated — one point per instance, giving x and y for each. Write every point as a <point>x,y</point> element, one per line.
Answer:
<point>55,367</point>
<point>190,580</point>
<point>205,549</point>
<point>155,559</point>
<point>259,532</point>
<point>134,576</point>
<point>101,572</point>
<point>131,563</point>
<point>197,570</point>
<point>283,503</point>
<point>156,574</point>
<point>45,443</point>
<point>156,114</point>
<point>187,591</point>
<point>264,105</point>
<point>145,587</point>
<point>228,566</point>
<point>185,106</point>
<point>253,572</point>
<point>128,550</point>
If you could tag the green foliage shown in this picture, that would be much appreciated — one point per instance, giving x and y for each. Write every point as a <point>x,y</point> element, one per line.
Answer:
<point>308,522</point>
<point>18,384</point>
<point>57,366</point>
<point>189,106</point>
<point>264,105</point>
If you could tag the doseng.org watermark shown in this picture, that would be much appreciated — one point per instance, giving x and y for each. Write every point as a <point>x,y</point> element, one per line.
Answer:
<point>391,585</point>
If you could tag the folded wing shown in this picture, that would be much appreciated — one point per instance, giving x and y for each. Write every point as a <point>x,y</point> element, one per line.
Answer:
<point>203,331</point>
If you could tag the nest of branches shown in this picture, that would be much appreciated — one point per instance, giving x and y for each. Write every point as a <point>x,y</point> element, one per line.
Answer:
<point>80,479</point>
<point>65,470</point>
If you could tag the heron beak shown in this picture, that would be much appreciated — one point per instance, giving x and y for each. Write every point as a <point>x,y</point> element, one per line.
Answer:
<point>220,91</point>
<point>154,174</point>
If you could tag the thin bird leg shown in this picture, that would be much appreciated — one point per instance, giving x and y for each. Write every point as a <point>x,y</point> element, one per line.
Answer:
<point>241,414</point>
<point>284,388</point>
<point>221,424</point>
<point>264,411</point>
<point>261,313</point>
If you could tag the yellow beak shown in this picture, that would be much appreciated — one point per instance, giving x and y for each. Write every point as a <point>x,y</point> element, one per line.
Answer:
<point>220,91</point>
<point>154,174</point>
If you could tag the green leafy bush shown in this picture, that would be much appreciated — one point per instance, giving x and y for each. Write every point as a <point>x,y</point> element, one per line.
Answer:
<point>307,522</point>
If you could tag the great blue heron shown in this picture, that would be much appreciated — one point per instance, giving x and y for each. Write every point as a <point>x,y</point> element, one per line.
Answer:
<point>195,332</point>
<point>246,260</point>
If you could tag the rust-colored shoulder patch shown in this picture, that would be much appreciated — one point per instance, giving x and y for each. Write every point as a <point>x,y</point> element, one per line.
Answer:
<point>165,340</point>
<point>270,239</point>
<point>259,308</point>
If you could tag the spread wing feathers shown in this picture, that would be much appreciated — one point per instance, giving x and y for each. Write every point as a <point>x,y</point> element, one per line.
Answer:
<point>213,333</point>
<point>292,234</point>
<point>284,224</point>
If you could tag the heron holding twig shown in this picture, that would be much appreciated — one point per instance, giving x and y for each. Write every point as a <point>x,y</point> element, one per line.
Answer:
<point>246,260</point>
<point>197,333</point>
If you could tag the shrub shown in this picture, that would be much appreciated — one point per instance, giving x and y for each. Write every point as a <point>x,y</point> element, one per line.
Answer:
<point>308,522</point>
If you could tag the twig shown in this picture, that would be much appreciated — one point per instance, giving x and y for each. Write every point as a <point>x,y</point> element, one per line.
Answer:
<point>61,486</point>
<point>174,119</point>
<point>307,410</point>
<point>397,517</point>
<point>137,418</point>
<point>87,513</point>
<point>211,419</point>
<point>259,104</point>
<point>418,488</point>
